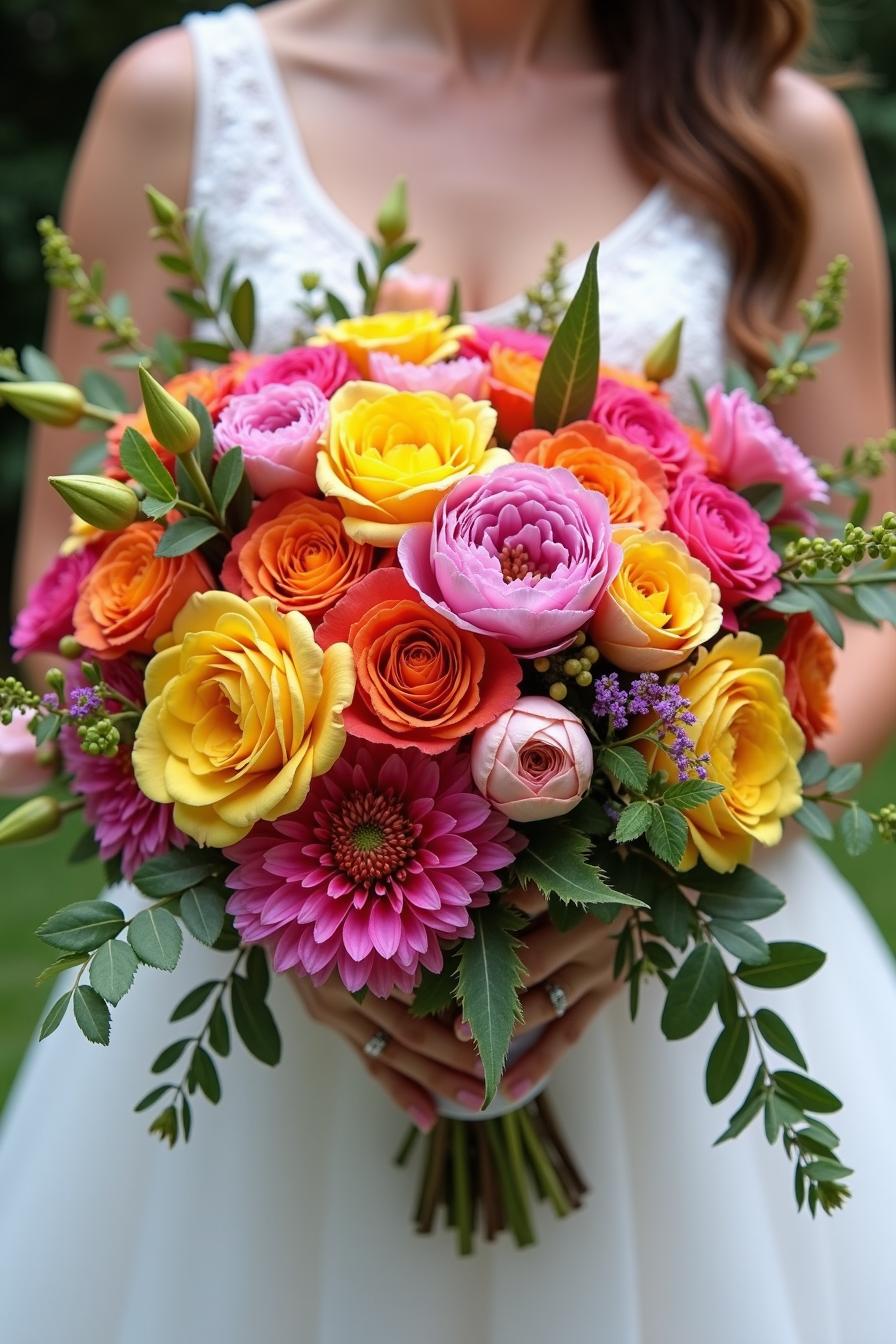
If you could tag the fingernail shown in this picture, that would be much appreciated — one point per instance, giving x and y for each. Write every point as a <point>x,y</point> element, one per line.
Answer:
<point>477,1068</point>
<point>462,1031</point>
<point>472,1100</point>
<point>519,1088</point>
<point>423,1119</point>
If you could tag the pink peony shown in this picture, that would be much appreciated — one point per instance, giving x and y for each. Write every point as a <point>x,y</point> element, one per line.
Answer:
<point>524,555</point>
<point>635,416</point>
<point>21,769</point>
<point>127,824</point>
<point>405,292</point>
<point>726,533</point>
<point>47,613</point>
<point>535,761</point>
<point>387,856</point>
<point>278,430</point>
<point>748,449</point>
<point>327,366</point>
<point>449,376</point>
<point>484,337</point>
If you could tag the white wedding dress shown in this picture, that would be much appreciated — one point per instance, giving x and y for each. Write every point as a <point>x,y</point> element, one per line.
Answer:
<point>283,1221</point>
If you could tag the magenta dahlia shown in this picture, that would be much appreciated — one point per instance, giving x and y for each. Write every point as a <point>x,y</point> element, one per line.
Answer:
<point>387,857</point>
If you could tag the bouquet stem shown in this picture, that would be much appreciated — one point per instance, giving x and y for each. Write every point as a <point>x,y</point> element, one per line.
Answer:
<point>485,1172</point>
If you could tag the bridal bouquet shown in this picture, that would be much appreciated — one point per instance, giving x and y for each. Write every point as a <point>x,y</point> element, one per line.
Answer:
<point>360,638</point>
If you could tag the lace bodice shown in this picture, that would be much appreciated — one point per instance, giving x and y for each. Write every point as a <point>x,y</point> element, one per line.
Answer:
<point>263,205</point>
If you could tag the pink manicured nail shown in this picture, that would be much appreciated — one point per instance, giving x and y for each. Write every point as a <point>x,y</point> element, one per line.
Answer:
<point>473,1100</point>
<point>462,1030</point>
<point>519,1088</point>
<point>478,1069</point>
<point>423,1119</point>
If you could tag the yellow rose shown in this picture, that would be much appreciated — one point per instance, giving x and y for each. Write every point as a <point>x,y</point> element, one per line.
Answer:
<point>243,710</point>
<point>419,337</point>
<point>660,607</point>
<point>745,726</point>
<point>389,457</point>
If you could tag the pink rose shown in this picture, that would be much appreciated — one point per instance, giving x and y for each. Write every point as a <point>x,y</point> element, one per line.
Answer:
<point>47,613</point>
<point>278,429</point>
<point>483,338</point>
<point>748,449</point>
<point>449,376</point>
<point>327,366</point>
<point>21,769</point>
<point>533,762</point>
<point>632,415</point>
<point>404,292</point>
<point>726,533</point>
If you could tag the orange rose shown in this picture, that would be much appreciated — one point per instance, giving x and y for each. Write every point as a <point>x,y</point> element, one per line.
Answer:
<point>633,380</point>
<point>700,444</point>
<point>511,389</point>
<point>422,681</point>
<point>810,660</point>
<point>131,596</point>
<point>296,551</point>
<point>630,477</point>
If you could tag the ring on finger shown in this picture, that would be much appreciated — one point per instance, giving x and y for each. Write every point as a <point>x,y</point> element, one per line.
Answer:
<point>556,997</point>
<point>377,1043</point>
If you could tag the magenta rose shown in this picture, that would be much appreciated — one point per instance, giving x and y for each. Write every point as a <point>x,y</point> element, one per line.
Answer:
<point>533,762</point>
<point>523,555</point>
<point>720,528</point>
<point>327,366</point>
<point>483,338</point>
<point>448,376</point>
<point>278,430</point>
<point>632,415</point>
<point>47,613</point>
<point>748,448</point>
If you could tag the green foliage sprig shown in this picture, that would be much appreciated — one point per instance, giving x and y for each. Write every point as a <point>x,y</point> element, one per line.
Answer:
<point>546,301</point>
<point>794,360</point>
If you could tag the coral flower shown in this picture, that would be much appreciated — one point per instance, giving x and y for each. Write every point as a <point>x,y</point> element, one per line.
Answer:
<point>810,661</point>
<point>387,857</point>
<point>630,478</point>
<point>422,681</point>
<point>511,389</point>
<point>296,551</point>
<point>419,337</point>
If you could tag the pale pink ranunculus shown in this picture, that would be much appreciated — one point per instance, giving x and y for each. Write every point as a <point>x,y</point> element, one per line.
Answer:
<point>327,366</point>
<point>633,415</point>
<point>448,376</point>
<point>748,448</point>
<point>22,771</point>
<point>278,429</point>
<point>533,762</point>
<point>405,292</point>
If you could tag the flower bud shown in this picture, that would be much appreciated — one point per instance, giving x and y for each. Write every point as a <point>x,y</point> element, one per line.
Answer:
<point>38,817</point>
<point>106,504</point>
<point>392,220</point>
<point>164,210</point>
<point>662,361</point>
<point>69,647</point>
<point>58,404</point>
<point>175,428</point>
<point>55,681</point>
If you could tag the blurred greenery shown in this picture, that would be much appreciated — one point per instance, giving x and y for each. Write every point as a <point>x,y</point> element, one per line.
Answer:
<point>59,50</point>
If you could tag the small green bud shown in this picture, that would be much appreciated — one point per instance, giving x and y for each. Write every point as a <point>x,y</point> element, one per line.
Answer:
<point>30,821</point>
<point>662,362</point>
<point>175,428</point>
<point>572,667</point>
<point>584,679</point>
<point>310,281</point>
<point>69,647</point>
<point>557,691</point>
<point>164,210</point>
<point>55,681</point>
<point>101,502</point>
<point>392,220</point>
<point>580,640</point>
<point>91,673</point>
<point>59,404</point>
<point>591,653</point>
<point>542,664</point>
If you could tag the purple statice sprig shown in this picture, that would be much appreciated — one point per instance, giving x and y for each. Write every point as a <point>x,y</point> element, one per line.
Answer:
<point>84,701</point>
<point>671,710</point>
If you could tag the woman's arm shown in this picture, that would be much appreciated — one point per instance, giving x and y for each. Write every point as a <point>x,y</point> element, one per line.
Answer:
<point>853,397</point>
<point>139,131</point>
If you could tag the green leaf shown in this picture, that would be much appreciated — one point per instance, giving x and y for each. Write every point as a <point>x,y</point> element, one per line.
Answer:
<point>186,535</point>
<point>633,821</point>
<point>227,477</point>
<point>155,508</point>
<point>727,1059</point>
<point>589,818</point>
<point>788,964</point>
<point>876,601</point>
<point>83,926</point>
<point>186,1117</point>
<point>667,834</point>
<point>814,767</point>
<point>801,597</point>
<point>778,1035</point>
<point>242,312</point>
<point>821,1133</point>
<point>693,992</point>
<point>104,391</point>
<point>202,911</point>
<point>568,379</point>
<point>152,1097</point>
<point>455,310</point>
<point>741,1118</point>
<point>38,366</point>
<point>208,350</point>
<point>808,1094</point>
<point>205,1074</point>
<point>63,963</point>
<point>844,778</point>
<point>626,765</point>
<point>856,831</point>
<point>55,1015</point>
<point>170,1055</point>
<point>827,1171</point>
<point>156,938</point>
<point>338,310</point>
<point>89,461</point>
<point>112,970</point>
<point>671,912</point>
<point>772,1118</point>
<point>254,1022</point>
<point>555,861</point>
<point>490,978</point>
<point>92,1015</point>
<point>566,916</point>
<point>144,465</point>
<point>257,971</point>
<point>174,872</point>
<point>192,1002</point>
<point>811,817</point>
<point>436,992</point>
<point>766,498</point>
<point>205,449</point>
<point>691,792</point>
<point>219,1031</point>
<point>742,894</point>
<point>741,941</point>
<point>47,728</point>
<point>699,403</point>
<point>737,376</point>
<point>198,309</point>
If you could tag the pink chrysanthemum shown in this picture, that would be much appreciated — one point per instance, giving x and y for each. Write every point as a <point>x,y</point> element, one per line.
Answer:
<point>47,613</point>
<point>388,855</point>
<point>126,823</point>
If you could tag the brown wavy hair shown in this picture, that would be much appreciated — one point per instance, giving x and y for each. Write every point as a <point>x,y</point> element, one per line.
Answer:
<point>693,78</point>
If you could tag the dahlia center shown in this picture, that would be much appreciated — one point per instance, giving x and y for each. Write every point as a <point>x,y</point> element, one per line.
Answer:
<point>371,836</point>
<point>517,563</point>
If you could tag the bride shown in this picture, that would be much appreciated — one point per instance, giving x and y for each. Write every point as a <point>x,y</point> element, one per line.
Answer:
<point>720,183</point>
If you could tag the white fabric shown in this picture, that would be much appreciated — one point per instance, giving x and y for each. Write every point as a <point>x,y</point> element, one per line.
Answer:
<point>283,1220</point>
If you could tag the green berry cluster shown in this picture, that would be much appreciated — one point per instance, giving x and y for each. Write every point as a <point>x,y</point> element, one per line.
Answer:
<point>808,555</point>
<point>824,311</point>
<point>64,269</point>
<point>9,359</point>
<point>99,738</point>
<point>546,302</point>
<point>14,696</point>
<point>868,460</point>
<point>886,821</point>
<point>571,664</point>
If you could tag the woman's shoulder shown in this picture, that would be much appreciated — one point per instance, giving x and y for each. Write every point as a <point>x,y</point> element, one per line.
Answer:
<point>811,123</point>
<point>153,78</point>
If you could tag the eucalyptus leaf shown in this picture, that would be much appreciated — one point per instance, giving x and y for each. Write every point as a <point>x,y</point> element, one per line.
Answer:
<point>693,992</point>
<point>219,1031</point>
<point>205,1074</point>
<point>257,970</point>
<point>192,1002</point>
<point>254,1022</point>
<point>776,1033</point>
<point>808,1094</point>
<point>788,964</point>
<point>170,1055</point>
<point>742,894</point>
<point>152,1097</point>
<point>741,941</point>
<point>726,1059</point>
